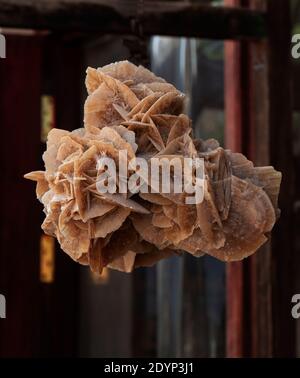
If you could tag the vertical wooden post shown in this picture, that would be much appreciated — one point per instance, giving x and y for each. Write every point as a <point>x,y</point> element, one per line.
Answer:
<point>233,139</point>
<point>249,315</point>
<point>20,78</point>
<point>260,269</point>
<point>258,123</point>
<point>260,276</point>
<point>280,92</point>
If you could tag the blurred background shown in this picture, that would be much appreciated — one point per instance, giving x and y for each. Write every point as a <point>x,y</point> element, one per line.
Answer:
<point>233,60</point>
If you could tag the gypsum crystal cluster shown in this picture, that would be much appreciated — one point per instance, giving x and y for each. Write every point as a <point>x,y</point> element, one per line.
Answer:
<point>129,108</point>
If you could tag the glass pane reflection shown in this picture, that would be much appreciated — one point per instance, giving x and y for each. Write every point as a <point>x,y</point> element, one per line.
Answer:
<point>191,291</point>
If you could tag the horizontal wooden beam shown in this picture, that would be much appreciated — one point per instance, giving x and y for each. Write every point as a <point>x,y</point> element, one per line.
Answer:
<point>153,18</point>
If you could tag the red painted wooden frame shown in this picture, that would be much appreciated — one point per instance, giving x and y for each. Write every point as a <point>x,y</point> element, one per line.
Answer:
<point>258,123</point>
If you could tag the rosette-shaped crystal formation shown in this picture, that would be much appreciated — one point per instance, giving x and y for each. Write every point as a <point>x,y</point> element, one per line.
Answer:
<point>130,109</point>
